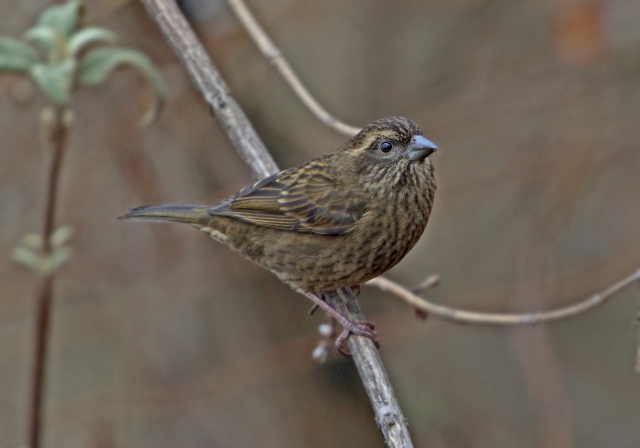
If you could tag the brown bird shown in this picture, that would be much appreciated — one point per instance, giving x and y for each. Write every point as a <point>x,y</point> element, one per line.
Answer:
<point>336,221</point>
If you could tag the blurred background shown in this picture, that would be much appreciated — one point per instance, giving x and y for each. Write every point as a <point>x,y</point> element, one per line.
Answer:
<point>163,338</point>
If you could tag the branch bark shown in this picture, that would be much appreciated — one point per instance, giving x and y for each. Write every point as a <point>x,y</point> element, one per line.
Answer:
<point>275,57</point>
<point>229,114</point>
<point>472,317</point>
<point>389,417</point>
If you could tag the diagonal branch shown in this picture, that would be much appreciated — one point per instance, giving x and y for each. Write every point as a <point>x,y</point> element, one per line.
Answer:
<point>275,57</point>
<point>472,317</point>
<point>247,143</point>
<point>388,413</point>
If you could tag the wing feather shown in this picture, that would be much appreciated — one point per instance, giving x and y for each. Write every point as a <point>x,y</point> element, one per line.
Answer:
<point>300,200</point>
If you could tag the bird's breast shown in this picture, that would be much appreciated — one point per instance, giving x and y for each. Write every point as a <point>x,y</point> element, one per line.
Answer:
<point>389,232</point>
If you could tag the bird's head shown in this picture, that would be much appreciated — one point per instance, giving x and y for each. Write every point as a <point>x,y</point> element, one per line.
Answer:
<point>389,150</point>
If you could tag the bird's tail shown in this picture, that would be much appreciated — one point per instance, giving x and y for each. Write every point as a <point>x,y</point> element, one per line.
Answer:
<point>189,214</point>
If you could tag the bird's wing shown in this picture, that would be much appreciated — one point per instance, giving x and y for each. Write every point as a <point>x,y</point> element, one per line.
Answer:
<point>300,200</point>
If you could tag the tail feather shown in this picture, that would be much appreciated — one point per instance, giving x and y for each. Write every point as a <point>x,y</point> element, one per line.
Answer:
<point>189,214</point>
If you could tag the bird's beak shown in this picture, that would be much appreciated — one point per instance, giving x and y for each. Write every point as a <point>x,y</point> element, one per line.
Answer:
<point>420,148</point>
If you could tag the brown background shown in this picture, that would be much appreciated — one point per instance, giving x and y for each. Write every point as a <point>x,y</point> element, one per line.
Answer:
<point>162,338</point>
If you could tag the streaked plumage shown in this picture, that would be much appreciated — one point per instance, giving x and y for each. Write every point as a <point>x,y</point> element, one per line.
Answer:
<point>336,221</point>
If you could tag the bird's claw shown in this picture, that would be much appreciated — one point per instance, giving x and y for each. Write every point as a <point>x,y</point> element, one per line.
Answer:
<point>366,329</point>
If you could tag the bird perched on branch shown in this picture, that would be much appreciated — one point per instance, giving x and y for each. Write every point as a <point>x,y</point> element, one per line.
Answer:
<point>336,221</point>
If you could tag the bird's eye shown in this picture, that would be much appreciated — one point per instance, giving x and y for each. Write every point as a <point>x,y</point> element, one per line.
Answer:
<point>385,146</point>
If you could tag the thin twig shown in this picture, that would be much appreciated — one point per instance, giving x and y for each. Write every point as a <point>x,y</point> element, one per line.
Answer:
<point>56,137</point>
<point>246,141</point>
<point>427,283</point>
<point>275,57</point>
<point>472,317</point>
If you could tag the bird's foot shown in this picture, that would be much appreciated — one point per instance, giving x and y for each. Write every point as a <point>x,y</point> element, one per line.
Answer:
<point>349,327</point>
<point>366,329</point>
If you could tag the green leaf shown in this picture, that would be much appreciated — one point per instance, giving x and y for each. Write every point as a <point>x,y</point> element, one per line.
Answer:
<point>16,56</point>
<point>33,241</point>
<point>63,17</point>
<point>17,48</point>
<point>99,63</point>
<point>88,36</point>
<point>13,64</point>
<point>58,258</point>
<point>55,80</point>
<point>28,258</point>
<point>45,37</point>
<point>61,236</point>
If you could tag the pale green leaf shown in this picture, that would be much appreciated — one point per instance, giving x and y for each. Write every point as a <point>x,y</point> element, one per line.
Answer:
<point>88,36</point>
<point>9,63</point>
<point>16,56</point>
<point>63,17</point>
<point>61,236</point>
<point>43,36</point>
<point>55,80</point>
<point>18,49</point>
<point>99,63</point>
<point>28,258</point>
<point>32,240</point>
<point>50,40</point>
<point>58,258</point>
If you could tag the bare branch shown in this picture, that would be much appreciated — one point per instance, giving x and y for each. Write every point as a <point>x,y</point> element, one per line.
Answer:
<point>246,141</point>
<point>427,283</point>
<point>275,57</point>
<point>472,317</point>
<point>389,415</point>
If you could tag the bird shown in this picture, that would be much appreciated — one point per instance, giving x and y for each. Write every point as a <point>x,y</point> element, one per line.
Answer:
<point>336,221</point>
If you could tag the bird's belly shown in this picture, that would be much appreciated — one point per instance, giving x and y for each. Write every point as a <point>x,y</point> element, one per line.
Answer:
<point>312,262</point>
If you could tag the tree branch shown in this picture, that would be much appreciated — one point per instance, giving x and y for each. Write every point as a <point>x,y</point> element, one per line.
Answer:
<point>247,143</point>
<point>389,417</point>
<point>472,317</point>
<point>275,57</point>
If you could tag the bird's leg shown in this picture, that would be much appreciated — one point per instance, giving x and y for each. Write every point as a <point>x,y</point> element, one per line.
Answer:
<point>349,327</point>
<point>356,292</point>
